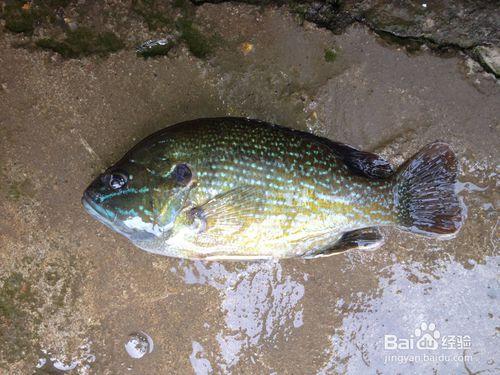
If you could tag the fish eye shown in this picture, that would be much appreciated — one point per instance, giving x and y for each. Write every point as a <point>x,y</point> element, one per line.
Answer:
<point>117,180</point>
<point>182,173</point>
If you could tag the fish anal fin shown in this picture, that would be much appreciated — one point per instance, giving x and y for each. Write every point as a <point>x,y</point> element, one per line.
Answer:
<point>362,163</point>
<point>363,239</point>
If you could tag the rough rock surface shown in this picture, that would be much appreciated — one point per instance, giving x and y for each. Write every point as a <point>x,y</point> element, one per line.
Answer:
<point>443,25</point>
<point>490,57</point>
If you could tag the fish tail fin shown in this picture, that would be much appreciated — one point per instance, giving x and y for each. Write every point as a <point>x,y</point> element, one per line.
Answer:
<point>424,192</point>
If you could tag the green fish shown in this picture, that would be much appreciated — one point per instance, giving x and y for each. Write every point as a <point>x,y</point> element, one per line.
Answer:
<point>235,188</point>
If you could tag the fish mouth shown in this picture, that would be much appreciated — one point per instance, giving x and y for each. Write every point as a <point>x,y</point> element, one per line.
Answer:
<point>94,210</point>
<point>100,214</point>
<point>87,204</point>
<point>103,216</point>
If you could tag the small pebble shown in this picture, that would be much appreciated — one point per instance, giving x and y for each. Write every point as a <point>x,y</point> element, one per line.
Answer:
<point>246,48</point>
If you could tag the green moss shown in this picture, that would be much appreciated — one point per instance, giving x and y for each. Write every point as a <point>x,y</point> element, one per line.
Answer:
<point>152,13</point>
<point>83,42</point>
<point>330,55</point>
<point>51,44</point>
<point>80,41</point>
<point>299,9</point>
<point>199,45</point>
<point>17,19</point>
<point>186,7</point>
<point>14,192</point>
<point>181,4</point>
<point>17,190</point>
<point>16,301</point>
<point>108,42</point>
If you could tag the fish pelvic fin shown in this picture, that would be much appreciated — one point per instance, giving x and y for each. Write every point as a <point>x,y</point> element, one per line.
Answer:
<point>425,192</point>
<point>364,239</point>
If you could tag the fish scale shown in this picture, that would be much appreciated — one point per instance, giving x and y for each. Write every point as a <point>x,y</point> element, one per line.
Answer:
<point>291,170</point>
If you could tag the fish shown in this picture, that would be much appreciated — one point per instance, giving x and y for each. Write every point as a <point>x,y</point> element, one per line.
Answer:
<point>238,188</point>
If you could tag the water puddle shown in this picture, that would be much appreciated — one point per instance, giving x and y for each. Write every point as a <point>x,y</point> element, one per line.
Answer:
<point>260,304</point>
<point>80,364</point>
<point>416,300</point>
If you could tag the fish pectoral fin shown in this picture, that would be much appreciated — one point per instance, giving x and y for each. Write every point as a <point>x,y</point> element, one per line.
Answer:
<point>228,212</point>
<point>365,239</point>
<point>362,163</point>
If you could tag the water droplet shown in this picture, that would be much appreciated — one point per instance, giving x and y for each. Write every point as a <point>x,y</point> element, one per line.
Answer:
<point>139,344</point>
<point>60,365</point>
<point>41,362</point>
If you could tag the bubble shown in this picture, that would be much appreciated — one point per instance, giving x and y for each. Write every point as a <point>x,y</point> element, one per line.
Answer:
<point>139,344</point>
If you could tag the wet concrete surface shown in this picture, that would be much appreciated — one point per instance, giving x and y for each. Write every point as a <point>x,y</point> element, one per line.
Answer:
<point>72,291</point>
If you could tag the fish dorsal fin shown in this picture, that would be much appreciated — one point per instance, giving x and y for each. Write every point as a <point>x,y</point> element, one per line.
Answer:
<point>362,163</point>
<point>227,212</point>
<point>364,239</point>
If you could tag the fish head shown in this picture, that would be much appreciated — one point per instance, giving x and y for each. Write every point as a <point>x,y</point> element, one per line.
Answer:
<point>139,198</point>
